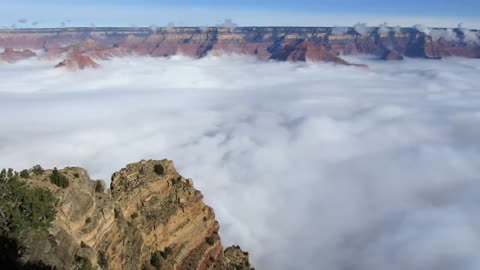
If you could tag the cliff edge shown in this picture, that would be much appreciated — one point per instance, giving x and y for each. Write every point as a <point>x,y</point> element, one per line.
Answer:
<point>151,218</point>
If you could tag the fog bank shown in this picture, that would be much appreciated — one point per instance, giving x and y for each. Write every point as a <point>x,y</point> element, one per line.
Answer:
<point>307,165</point>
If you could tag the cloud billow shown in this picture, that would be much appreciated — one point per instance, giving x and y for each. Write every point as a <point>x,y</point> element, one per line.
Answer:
<point>307,165</point>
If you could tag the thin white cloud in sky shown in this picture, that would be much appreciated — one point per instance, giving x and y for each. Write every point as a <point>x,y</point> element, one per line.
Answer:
<point>307,165</point>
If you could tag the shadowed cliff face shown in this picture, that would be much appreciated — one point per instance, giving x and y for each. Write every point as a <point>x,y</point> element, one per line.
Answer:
<point>152,218</point>
<point>276,43</point>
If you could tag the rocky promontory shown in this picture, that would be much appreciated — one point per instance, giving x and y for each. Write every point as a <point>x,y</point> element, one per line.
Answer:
<point>150,218</point>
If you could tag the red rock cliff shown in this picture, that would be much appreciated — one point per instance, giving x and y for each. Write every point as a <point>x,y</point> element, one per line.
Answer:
<point>276,43</point>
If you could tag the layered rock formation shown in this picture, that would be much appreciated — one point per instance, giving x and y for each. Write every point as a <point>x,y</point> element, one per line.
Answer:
<point>275,43</point>
<point>76,61</point>
<point>10,55</point>
<point>151,218</point>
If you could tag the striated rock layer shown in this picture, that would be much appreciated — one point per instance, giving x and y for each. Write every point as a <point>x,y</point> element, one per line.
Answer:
<point>151,218</point>
<point>266,43</point>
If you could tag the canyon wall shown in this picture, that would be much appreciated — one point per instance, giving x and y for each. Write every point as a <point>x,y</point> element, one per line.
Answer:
<point>326,44</point>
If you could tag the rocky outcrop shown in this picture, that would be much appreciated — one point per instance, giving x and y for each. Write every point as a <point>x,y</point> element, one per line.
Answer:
<point>391,55</point>
<point>10,55</point>
<point>236,259</point>
<point>325,44</point>
<point>151,218</point>
<point>301,50</point>
<point>76,61</point>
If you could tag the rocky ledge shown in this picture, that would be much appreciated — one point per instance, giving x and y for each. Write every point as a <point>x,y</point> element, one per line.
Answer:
<point>150,218</point>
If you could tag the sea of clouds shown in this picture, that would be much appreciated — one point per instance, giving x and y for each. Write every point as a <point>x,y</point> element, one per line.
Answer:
<point>307,165</point>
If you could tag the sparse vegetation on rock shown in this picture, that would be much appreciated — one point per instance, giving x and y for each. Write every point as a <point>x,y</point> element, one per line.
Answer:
<point>155,260</point>
<point>102,260</point>
<point>158,168</point>
<point>59,179</point>
<point>166,252</point>
<point>210,240</point>
<point>236,259</point>
<point>83,263</point>
<point>116,213</point>
<point>99,186</point>
<point>126,227</point>
<point>24,211</point>
<point>24,174</point>
<point>38,170</point>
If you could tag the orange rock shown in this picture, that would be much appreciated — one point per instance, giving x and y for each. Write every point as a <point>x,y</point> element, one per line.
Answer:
<point>150,216</point>
<point>264,43</point>
<point>77,61</point>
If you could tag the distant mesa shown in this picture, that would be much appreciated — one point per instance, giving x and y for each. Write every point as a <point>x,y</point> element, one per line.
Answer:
<point>82,47</point>
<point>11,55</point>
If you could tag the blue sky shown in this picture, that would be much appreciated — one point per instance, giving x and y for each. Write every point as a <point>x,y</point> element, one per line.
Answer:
<point>418,7</point>
<point>246,12</point>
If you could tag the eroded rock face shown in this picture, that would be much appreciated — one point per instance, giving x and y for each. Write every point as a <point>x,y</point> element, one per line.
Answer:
<point>76,61</point>
<point>152,217</point>
<point>10,55</point>
<point>236,259</point>
<point>265,43</point>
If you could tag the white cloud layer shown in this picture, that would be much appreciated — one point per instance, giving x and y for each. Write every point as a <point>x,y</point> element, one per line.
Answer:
<point>361,28</point>
<point>307,165</point>
<point>422,28</point>
<point>445,34</point>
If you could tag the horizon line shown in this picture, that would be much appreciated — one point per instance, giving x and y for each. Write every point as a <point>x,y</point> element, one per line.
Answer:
<point>149,28</point>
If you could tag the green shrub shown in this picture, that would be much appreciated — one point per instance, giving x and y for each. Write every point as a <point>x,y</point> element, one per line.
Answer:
<point>59,179</point>
<point>159,169</point>
<point>10,173</point>
<point>23,209</point>
<point>166,252</point>
<point>210,240</point>
<point>83,263</point>
<point>38,170</point>
<point>24,174</point>
<point>117,214</point>
<point>102,260</point>
<point>99,186</point>
<point>155,261</point>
